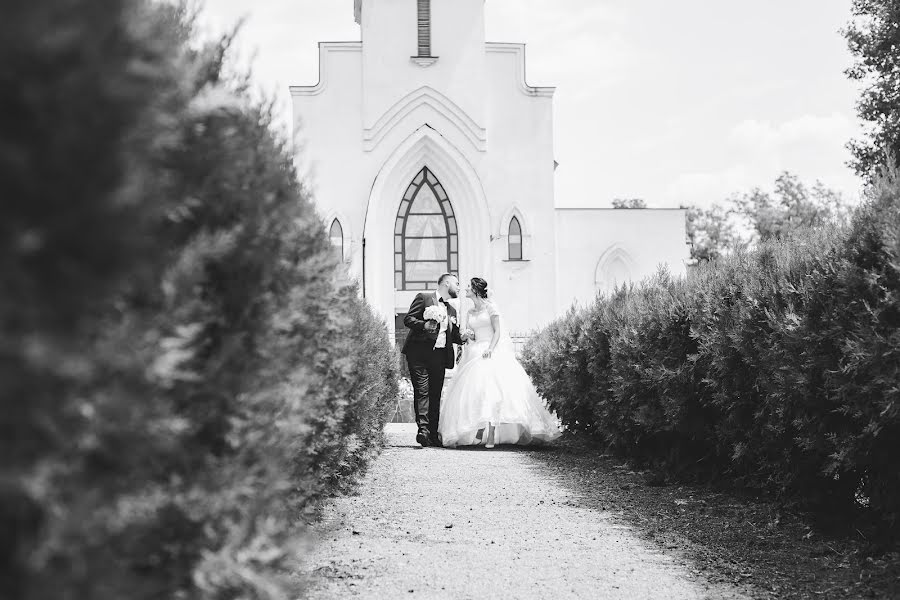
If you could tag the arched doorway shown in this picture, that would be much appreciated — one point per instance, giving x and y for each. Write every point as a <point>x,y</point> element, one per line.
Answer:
<point>465,210</point>
<point>426,240</point>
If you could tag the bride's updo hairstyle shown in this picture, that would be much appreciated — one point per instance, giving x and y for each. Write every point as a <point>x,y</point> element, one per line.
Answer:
<point>479,287</point>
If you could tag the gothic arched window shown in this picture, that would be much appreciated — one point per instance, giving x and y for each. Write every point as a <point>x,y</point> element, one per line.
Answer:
<point>425,235</point>
<point>615,269</point>
<point>514,239</point>
<point>336,234</point>
<point>617,273</point>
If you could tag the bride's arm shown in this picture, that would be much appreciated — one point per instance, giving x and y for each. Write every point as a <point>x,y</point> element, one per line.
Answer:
<point>495,339</point>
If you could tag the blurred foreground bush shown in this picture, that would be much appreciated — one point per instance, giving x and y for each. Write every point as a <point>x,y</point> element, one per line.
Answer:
<point>777,369</point>
<point>184,372</point>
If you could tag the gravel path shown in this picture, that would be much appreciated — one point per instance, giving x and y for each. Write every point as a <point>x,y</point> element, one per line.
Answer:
<point>440,523</point>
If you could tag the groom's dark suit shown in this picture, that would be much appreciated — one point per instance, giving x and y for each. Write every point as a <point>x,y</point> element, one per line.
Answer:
<point>427,363</point>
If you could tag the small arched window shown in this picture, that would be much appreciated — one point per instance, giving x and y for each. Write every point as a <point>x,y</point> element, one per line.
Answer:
<point>515,239</point>
<point>337,238</point>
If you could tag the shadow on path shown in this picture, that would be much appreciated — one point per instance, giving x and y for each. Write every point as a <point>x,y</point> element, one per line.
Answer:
<point>730,538</point>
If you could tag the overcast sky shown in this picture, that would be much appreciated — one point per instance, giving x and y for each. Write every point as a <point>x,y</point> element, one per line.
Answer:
<point>681,102</point>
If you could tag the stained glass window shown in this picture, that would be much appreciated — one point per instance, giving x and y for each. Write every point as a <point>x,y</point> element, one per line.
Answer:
<point>337,238</point>
<point>515,240</point>
<point>425,235</point>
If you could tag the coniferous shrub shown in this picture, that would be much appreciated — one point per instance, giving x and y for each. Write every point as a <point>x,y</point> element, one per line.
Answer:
<point>185,373</point>
<point>777,369</point>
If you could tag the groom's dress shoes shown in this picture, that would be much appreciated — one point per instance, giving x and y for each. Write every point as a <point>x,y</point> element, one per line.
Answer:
<point>422,437</point>
<point>434,440</point>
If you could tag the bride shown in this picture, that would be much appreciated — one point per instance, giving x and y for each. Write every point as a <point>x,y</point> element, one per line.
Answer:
<point>490,399</point>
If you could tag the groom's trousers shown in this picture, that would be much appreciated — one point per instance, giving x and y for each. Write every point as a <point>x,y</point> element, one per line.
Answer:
<point>426,372</point>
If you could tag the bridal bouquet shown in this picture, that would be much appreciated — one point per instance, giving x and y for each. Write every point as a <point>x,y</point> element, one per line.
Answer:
<point>435,313</point>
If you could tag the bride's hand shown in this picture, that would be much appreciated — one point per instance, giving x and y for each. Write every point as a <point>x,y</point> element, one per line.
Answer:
<point>487,354</point>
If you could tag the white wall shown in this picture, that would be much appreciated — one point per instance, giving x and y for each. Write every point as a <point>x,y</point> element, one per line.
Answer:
<point>389,34</point>
<point>519,182</point>
<point>327,124</point>
<point>638,240</point>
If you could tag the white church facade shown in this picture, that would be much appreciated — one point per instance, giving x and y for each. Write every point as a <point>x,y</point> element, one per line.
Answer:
<point>428,152</point>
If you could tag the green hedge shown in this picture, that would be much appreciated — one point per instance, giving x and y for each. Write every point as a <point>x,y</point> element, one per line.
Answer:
<point>185,372</point>
<point>778,369</point>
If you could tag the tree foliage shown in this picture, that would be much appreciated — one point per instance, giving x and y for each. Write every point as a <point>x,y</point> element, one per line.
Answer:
<point>711,232</point>
<point>748,219</point>
<point>792,206</point>
<point>629,203</point>
<point>874,38</point>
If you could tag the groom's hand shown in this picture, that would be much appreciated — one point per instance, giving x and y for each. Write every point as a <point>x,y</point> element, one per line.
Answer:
<point>432,326</point>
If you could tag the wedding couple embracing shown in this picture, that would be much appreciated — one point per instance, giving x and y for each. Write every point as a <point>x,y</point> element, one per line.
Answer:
<point>490,399</point>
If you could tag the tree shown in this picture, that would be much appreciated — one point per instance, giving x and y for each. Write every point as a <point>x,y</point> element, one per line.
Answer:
<point>711,232</point>
<point>629,203</point>
<point>792,206</point>
<point>874,37</point>
<point>762,216</point>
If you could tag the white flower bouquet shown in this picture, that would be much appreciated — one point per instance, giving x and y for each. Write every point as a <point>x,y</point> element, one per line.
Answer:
<point>435,313</point>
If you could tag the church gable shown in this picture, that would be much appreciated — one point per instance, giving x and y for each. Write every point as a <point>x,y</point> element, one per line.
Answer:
<point>439,105</point>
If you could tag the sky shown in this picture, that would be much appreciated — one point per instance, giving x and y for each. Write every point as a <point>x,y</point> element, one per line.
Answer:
<point>686,102</point>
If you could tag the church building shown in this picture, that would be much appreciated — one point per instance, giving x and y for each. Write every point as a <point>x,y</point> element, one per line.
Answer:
<point>427,152</point>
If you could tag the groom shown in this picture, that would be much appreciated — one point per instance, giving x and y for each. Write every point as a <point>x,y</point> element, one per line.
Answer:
<point>429,350</point>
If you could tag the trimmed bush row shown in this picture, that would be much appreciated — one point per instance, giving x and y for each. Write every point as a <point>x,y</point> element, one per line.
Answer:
<point>777,369</point>
<point>183,370</point>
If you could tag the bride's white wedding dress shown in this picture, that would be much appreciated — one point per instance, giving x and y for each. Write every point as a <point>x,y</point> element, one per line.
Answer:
<point>495,391</point>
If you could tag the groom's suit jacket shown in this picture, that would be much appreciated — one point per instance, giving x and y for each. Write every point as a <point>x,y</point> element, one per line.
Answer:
<point>419,341</point>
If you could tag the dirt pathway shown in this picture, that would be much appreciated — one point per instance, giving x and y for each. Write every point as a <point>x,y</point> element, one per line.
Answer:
<point>437,523</point>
